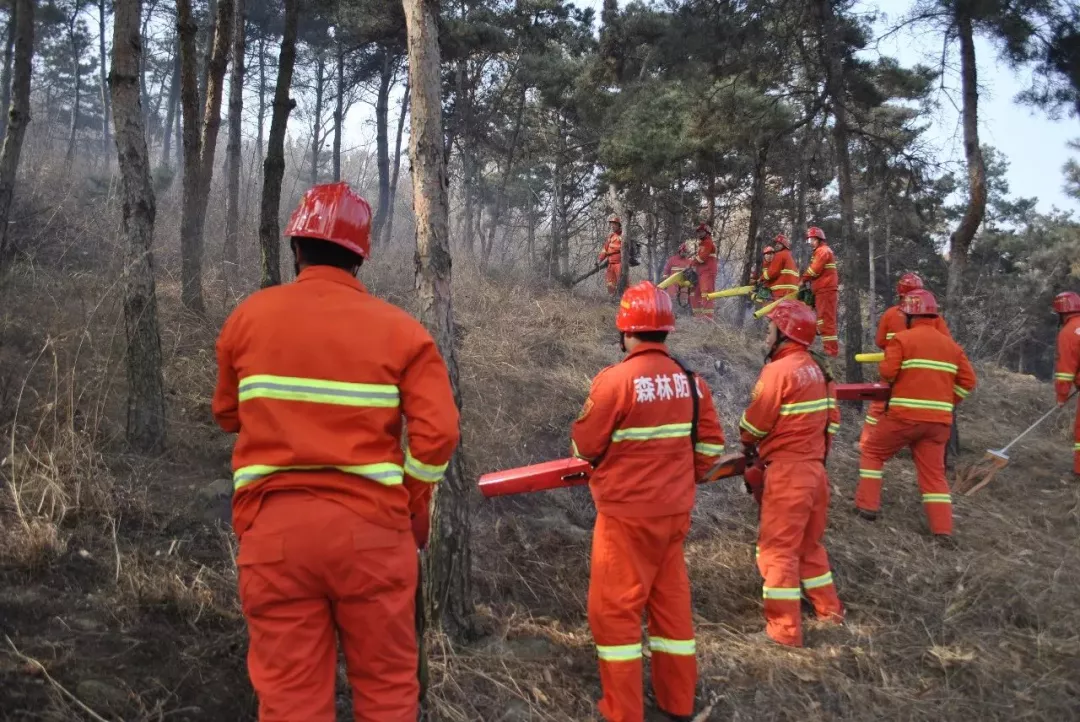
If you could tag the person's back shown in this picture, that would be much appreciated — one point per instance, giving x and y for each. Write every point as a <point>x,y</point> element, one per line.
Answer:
<point>928,372</point>
<point>893,321</point>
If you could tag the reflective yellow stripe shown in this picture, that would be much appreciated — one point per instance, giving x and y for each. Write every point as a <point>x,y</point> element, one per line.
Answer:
<point>783,287</point>
<point>385,474</point>
<point>431,473</point>
<point>649,433</point>
<point>1065,377</point>
<point>833,427</point>
<point>1076,447</point>
<point>937,499</point>
<point>619,653</point>
<point>574,450</point>
<point>830,265</point>
<point>889,336</point>
<point>921,404</point>
<point>871,420</point>
<point>830,338</point>
<point>817,582</point>
<point>961,392</point>
<point>871,473</point>
<point>319,391</point>
<point>781,593</point>
<point>925,363</point>
<point>811,273</point>
<point>680,647</point>
<point>804,407</point>
<point>789,272</point>
<point>709,449</point>
<point>744,424</point>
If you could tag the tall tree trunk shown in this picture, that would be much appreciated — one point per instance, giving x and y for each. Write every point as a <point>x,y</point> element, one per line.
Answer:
<point>316,127</point>
<point>5,75</point>
<point>18,118</point>
<point>261,120</point>
<point>232,150</point>
<point>76,98</point>
<point>102,15</point>
<point>872,275</point>
<point>449,578</point>
<point>389,230</point>
<point>382,140</point>
<point>208,38</point>
<point>849,253</point>
<point>500,196</point>
<point>339,114</point>
<point>274,165</point>
<point>710,209</point>
<point>757,210</point>
<point>960,243</point>
<point>146,397</point>
<point>172,108</point>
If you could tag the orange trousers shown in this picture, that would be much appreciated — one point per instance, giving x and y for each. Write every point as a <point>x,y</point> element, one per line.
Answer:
<point>706,284</point>
<point>1076,442</point>
<point>614,270</point>
<point>877,410</point>
<point>927,441</point>
<point>790,555</point>
<point>638,566</point>
<point>825,306</point>
<point>313,573</point>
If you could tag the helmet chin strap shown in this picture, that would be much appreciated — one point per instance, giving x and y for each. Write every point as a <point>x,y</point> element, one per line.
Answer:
<point>622,341</point>
<point>780,338</point>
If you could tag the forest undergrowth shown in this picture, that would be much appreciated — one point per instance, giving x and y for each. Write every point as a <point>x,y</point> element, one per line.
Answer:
<point>117,585</point>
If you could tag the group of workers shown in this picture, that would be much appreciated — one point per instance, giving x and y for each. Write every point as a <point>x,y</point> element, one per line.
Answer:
<point>330,506</point>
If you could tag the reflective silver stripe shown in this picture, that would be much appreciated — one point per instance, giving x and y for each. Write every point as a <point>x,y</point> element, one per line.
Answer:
<point>744,424</point>
<point>960,391</point>
<point>619,652</point>
<point>709,449</point>
<point>431,473</point>
<point>1064,377</point>
<point>889,336</point>
<point>650,433</point>
<point>804,407</point>
<point>679,647</point>
<point>921,404</point>
<point>320,391</point>
<point>930,364</point>
<point>871,473</point>
<point>386,474</point>
<point>785,593</point>
<point>817,582</point>
<point>937,499</point>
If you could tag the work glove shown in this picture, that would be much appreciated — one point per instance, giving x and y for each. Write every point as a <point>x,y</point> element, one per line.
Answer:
<point>421,525</point>
<point>754,481</point>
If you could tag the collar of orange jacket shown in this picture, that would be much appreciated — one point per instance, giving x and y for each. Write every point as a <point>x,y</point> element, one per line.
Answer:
<point>646,347</point>
<point>788,348</point>
<point>329,273</point>
<point>923,321</point>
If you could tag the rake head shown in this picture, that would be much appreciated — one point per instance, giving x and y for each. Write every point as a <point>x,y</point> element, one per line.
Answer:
<point>997,458</point>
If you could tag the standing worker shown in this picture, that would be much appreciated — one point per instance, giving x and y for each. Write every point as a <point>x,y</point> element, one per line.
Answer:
<point>780,273</point>
<point>789,427</point>
<point>650,429</point>
<point>929,374</point>
<point>612,253</point>
<point>892,322</point>
<point>318,377</point>
<point>824,281</point>
<point>1067,363</point>
<point>704,262</point>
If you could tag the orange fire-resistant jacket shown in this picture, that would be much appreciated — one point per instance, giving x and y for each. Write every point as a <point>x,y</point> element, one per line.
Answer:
<point>893,321</point>
<point>635,428</point>
<point>928,371</point>
<point>782,274</point>
<point>793,412</point>
<point>822,270</point>
<point>317,377</point>
<point>612,250</point>
<point>1067,364</point>
<point>706,249</point>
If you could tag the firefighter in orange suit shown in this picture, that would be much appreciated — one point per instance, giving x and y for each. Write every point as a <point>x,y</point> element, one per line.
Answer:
<point>612,253</point>
<point>319,378</point>
<point>1067,364</point>
<point>780,274</point>
<point>892,322</point>
<point>638,427</point>
<point>929,374</point>
<point>824,282</point>
<point>705,263</point>
<point>789,427</point>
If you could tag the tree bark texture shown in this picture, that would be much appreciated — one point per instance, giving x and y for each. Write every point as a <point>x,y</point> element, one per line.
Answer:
<point>260,134</point>
<point>190,243</point>
<point>389,230</point>
<point>316,126</point>
<point>274,164</point>
<point>146,397</point>
<point>449,578</point>
<point>103,73</point>
<point>960,243</point>
<point>382,141</point>
<point>339,114</point>
<point>232,151</point>
<point>757,211</point>
<point>172,108</point>
<point>76,79</point>
<point>18,119</point>
<point>5,74</point>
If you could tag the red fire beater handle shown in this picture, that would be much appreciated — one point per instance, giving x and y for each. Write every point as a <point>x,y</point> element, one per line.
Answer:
<point>564,473</point>
<point>862,392</point>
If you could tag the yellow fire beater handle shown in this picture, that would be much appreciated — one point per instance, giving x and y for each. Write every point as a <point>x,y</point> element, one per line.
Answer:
<point>676,277</point>
<point>870,358</point>
<point>729,292</point>
<point>767,308</point>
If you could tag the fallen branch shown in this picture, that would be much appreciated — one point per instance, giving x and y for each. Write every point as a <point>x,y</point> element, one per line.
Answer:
<point>45,673</point>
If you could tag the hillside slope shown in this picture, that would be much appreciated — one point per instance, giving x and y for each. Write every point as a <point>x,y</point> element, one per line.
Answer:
<point>116,574</point>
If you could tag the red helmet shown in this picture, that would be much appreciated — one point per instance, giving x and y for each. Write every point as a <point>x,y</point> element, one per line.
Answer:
<point>795,320</point>
<point>767,250</point>
<point>333,212</point>
<point>703,226</point>
<point>908,283</point>
<point>645,307</point>
<point>815,232</point>
<point>781,241</point>
<point>919,302</point>
<point>1067,302</point>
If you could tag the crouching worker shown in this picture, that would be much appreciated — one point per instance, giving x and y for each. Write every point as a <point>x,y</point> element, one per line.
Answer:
<point>650,428</point>
<point>788,427</point>
<point>318,378</point>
